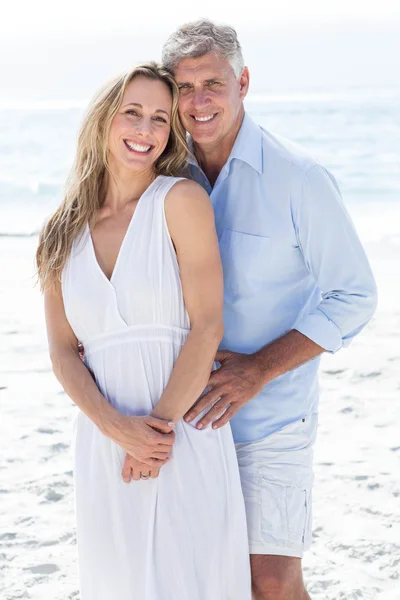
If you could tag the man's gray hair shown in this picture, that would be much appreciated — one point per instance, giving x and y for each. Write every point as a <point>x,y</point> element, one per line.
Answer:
<point>193,40</point>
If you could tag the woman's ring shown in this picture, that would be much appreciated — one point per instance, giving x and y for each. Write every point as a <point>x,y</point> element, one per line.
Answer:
<point>144,476</point>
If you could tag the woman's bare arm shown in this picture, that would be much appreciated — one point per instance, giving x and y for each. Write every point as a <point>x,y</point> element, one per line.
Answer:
<point>190,219</point>
<point>136,435</point>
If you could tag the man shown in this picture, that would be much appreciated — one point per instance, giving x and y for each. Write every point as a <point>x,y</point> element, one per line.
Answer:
<point>297,283</point>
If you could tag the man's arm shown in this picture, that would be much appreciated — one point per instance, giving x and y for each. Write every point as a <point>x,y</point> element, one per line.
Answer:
<point>334,256</point>
<point>242,376</point>
<point>285,354</point>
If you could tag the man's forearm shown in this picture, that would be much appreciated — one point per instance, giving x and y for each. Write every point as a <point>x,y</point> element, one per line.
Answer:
<point>285,354</point>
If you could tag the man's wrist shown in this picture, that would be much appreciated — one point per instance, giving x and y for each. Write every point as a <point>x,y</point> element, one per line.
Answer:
<point>265,365</point>
<point>285,354</point>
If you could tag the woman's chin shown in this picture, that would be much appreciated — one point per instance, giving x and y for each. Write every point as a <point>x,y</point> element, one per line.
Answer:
<point>135,165</point>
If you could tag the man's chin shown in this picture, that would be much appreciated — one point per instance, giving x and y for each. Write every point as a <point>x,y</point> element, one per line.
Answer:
<point>200,137</point>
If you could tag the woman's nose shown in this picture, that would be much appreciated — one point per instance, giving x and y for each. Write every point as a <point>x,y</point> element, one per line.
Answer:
<point>144,127</point>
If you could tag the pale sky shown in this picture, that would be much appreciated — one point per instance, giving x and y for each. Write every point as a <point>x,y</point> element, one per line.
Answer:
<point>64,50</point>
<point>37,17</point>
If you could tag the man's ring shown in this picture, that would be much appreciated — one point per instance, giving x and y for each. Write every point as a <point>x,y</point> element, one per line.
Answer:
<point>144,476</point>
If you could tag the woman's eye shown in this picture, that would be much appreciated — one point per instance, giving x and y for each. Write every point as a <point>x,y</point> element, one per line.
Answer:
<point>131,112</point>
<point>160,119</point>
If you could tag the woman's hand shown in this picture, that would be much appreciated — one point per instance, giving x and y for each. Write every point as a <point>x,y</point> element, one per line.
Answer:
<point>147,439</point>
<point>136,470</point>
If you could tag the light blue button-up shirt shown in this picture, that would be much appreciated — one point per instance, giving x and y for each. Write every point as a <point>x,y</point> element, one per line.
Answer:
<point>292,260</point>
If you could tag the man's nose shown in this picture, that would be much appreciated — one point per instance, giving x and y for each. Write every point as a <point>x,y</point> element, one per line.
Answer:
<point>200,99</point>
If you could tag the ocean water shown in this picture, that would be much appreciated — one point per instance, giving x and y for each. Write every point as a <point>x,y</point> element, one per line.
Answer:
<point>354,132</point>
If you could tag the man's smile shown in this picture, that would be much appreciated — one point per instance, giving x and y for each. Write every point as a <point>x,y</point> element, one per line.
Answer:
<point>204,118</point>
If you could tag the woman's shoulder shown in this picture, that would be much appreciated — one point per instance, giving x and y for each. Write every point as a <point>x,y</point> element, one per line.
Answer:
<point>181,187</point>
<point>187,202</point>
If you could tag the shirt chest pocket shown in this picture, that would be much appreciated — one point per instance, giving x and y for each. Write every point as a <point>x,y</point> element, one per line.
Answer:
<point>245,258</point>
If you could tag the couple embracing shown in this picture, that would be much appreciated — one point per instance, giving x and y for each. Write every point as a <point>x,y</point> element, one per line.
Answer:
<point>205,265</point>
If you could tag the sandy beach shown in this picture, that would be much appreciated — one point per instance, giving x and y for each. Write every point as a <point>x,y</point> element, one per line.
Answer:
<point>356,549</point>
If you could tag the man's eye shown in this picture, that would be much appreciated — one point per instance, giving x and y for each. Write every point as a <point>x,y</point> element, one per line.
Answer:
<point>160,119</point>
<point>213,82</point>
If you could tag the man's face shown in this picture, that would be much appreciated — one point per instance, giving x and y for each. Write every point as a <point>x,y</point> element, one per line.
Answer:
<point>211,97</point>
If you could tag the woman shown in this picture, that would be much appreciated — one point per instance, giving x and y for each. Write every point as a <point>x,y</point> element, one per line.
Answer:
<point>130,267</point>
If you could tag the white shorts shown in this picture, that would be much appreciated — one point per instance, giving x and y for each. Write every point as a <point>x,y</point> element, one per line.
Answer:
<point>277,478</point>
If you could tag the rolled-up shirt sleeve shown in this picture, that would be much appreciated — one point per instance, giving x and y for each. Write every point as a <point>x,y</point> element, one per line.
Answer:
<point>334,256</point>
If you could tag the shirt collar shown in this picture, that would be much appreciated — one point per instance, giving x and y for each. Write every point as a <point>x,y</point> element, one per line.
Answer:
<point>247,146</point>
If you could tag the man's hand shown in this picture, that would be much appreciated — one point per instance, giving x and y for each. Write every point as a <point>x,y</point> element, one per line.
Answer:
<point>236,382</point>
<point>147,439</point>
<point>134,469</point>
<point>242,376</point>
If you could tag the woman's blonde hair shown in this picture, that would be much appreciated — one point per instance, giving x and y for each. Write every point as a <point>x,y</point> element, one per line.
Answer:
<point>85,189</point>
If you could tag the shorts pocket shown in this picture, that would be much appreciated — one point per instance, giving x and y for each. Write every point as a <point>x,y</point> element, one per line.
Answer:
<point>284,513</point>
<point>274,522</point>
<point>296,505</point>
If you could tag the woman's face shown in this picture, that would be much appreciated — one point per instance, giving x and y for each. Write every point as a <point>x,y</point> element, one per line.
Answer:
<point>140,130</point>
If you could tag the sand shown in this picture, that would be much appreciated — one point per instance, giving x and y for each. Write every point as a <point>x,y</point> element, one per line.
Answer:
<point>356,548</point>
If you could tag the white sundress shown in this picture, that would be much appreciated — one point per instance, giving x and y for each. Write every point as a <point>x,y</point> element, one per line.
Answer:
<point>183,535</point>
